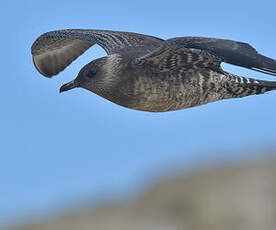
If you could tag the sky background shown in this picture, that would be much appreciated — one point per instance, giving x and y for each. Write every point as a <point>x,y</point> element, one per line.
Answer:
<point>57,150</point>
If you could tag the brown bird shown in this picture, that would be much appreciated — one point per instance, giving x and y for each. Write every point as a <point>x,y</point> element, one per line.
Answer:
<point>147,73</point>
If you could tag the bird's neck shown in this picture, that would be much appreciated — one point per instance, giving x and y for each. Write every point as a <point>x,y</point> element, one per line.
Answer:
<point>109,77</point>
<point>112,67</point>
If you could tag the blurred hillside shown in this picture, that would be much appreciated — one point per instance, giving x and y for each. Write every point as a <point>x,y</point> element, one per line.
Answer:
<point>240,197</point>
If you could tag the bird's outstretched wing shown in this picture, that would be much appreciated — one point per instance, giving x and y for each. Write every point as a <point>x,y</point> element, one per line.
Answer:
<point>54,51</point>
<point>221,50</point>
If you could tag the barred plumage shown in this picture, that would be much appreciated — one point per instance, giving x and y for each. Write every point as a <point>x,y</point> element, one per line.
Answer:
<point>147,73</point>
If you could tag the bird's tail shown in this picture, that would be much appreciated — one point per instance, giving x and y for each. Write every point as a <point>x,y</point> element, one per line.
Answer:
<point>242,86</point>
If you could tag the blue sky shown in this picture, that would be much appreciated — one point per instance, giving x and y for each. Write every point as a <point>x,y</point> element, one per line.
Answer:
<point>59,149</point>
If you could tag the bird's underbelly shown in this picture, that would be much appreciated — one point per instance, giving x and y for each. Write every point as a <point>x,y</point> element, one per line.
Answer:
<point>160,95</point>
<point>158,102</point>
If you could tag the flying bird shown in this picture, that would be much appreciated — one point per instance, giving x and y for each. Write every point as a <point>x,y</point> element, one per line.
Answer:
<point>151,74</point>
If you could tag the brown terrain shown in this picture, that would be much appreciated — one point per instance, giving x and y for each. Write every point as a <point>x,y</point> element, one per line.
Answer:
<point>240,197</point>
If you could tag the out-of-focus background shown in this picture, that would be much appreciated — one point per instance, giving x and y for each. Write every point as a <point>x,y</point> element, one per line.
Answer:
<point>78,160</point>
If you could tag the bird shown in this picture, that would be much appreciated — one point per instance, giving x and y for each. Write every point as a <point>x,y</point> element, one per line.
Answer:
<point>151,74</point>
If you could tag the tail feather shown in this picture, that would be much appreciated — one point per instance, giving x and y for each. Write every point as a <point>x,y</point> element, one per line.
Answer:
<point>248,86</point>
<point>270,85</point>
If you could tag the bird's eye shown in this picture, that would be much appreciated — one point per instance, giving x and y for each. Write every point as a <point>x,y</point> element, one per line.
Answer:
<point>89,73</point>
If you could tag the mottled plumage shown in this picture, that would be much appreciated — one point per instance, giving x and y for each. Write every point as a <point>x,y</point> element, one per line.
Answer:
<point>147,73</point>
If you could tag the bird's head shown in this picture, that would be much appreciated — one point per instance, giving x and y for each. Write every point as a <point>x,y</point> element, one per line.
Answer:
<point>87,78</point>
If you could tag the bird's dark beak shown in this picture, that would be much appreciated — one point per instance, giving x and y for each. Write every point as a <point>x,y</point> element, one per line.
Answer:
<point>68,86</point>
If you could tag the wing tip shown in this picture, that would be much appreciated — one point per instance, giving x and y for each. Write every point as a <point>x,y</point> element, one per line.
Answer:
<point>265,65</point>
<point>265,70</point>
<point>44,73</point>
